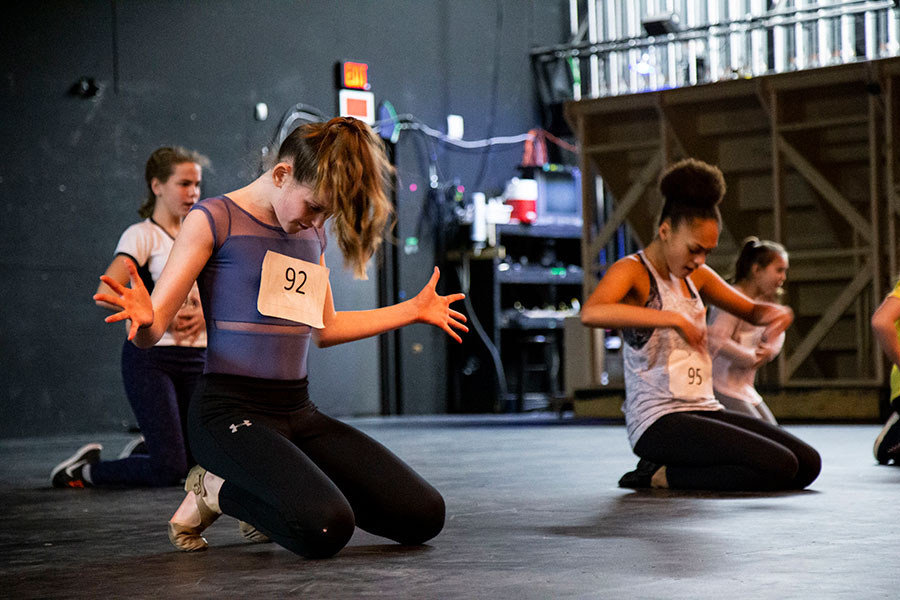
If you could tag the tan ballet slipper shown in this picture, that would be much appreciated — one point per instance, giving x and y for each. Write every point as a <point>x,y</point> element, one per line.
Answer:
<point>660,480</point>
<point>188,538</point>
<point>252,534</point>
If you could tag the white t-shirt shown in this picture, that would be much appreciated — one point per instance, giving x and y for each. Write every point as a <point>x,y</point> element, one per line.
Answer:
<point>149,245</point>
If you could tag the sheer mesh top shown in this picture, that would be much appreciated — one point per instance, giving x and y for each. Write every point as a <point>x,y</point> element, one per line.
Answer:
<point>241,341</point>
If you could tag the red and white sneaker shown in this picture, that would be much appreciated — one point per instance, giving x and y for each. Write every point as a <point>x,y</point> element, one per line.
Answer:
<point>68,473</point>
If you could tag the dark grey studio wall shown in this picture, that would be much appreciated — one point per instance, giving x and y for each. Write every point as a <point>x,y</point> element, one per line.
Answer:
<point>190,73</point>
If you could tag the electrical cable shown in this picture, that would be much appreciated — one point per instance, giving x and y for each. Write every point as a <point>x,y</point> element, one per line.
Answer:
<point>411,123</point>
<point>298,112</point>
<point>561,143</point>
<point>311,114</point>
<point>463,273</point>
<point>466,144</point>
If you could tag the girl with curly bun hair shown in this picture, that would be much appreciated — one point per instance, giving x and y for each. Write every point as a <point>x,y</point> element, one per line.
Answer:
<point>683,436</point>
<point>285,470</point>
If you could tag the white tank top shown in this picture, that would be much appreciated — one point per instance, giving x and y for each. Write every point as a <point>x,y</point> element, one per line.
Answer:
<point>663,373</point>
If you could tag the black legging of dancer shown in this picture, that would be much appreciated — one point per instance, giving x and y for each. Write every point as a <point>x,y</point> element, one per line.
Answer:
<point>725,450</point>
<point>301,477</point>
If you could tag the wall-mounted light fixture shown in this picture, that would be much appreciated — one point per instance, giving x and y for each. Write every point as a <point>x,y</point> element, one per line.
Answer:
<point>85,87</point>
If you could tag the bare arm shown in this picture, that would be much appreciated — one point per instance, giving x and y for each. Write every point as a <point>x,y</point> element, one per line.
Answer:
<point>427,307</point>
<point>714,290</point>
<point>884,328</point>
<point>188,322</point>
<point>618,300</point>
<point>118,271</point>
<point>150,316</point>
<point>721,332</point>
<point>767,351</point>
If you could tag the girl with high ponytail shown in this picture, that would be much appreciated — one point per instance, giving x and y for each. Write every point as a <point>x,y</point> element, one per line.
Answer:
<point>347,162</point>
<point>739,348</point>
<point>285,470</point>
<point>683,436</point>
<point>159,380</point>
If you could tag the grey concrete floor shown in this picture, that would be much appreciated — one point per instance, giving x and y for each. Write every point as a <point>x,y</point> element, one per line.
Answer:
<point>533,511</point>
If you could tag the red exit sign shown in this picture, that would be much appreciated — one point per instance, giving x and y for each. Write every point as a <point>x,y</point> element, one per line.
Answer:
<point>353,75</point>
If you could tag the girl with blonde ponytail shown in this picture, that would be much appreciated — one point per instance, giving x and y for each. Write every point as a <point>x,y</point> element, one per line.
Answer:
<point>352,170</point>
<point>285,470</point>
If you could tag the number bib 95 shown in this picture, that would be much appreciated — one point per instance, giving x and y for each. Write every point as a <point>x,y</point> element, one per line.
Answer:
<point>293,289</point>
<point>690,374</point>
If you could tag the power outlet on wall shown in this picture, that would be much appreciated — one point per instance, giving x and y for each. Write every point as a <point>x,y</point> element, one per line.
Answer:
<point>455,127</point>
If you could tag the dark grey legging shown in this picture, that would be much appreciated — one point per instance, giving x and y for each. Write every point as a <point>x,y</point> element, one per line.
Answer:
<point>760,411</point>
<point>301,477</point>
<point>724,450</point>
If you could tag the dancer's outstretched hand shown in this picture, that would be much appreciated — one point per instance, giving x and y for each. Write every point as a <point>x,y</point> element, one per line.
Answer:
<point>434,309</point>
<point>134,301</point>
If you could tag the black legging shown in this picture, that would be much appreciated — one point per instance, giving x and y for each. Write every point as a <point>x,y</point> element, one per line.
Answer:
<point>724,450</point>
<point>301,477</point>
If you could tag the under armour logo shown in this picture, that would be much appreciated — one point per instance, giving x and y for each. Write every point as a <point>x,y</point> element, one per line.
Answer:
<point>234,427</point>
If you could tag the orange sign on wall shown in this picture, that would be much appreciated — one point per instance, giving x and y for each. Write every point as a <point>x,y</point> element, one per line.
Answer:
<point>355,75</point>
<point>355,98</point>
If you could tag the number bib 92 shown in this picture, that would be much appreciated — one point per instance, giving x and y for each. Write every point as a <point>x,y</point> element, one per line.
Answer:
<point>293,289</point>
<point>690,374</point>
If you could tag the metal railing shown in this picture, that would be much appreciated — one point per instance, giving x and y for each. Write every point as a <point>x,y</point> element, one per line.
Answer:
<point>612,51</point>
